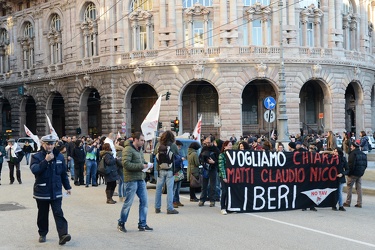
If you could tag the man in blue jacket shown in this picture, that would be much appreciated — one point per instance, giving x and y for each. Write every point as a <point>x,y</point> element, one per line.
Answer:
<point>49,168</point>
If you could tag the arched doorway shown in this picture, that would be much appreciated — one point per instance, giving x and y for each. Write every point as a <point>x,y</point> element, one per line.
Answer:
<point>6,122</point>
<point>30,109</point>
<point>58,114</point>
<point>351,101</point>
<point>142,100</point>
<point>94,113</point>
<point>253,109</point>
<point>311,105</point>
<point>200,98</point>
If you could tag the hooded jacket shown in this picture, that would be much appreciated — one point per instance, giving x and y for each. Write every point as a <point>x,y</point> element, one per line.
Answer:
<point>50,176</point>
<point>193,163</point>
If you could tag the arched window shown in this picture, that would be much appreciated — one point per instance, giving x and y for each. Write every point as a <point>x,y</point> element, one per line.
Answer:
<point>258,29</point>
<point>55,40</point>
<point>4,53</point>
<point>349,25</point>
<point>89,29</point>
<point>28,30</point>
<point>56,22</point>
<point>198,27</point>
<point>90,12</point>
<point>27,45</point>
<point>310,26</point>
<point>141,21</point>
<point>142,4</point>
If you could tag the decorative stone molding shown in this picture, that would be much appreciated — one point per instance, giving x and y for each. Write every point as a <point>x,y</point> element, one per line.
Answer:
<point>87,80</point>
<point>261,69</point>
<point>52,85</point>
<point>138,73</point>
<point>197,10</point>
<point>311,12</point>
<point>198,71</point>
<point>316,69</point>
<point>357,71</point>
<point>140,14</point>
<point>258,9</point>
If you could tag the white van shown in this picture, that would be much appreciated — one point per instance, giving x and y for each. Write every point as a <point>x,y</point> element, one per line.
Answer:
<point>21,142</point>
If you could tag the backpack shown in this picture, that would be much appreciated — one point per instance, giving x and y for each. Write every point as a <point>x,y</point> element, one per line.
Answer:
<point>164,157</point>
<point>102,168</point>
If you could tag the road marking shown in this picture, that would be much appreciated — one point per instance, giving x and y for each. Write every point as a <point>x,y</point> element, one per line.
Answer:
<point>313,230</point>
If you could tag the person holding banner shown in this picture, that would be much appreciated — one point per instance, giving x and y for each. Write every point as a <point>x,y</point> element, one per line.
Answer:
<point>342,169</point>
<point>227,145</point>
<point>209,159</point>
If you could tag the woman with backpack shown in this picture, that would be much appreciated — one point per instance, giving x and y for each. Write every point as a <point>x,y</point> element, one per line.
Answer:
<point>111,171</point>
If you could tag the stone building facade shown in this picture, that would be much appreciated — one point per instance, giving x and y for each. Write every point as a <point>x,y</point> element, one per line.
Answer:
<point>96,66</point>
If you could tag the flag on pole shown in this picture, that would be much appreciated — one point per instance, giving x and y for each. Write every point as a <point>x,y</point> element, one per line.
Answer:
<point>32,136</point>
<point>197,130</point>
<point>150,123</point>
<point>51,129</point>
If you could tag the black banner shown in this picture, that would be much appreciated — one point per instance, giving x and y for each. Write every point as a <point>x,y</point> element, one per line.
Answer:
<point>277,181</point>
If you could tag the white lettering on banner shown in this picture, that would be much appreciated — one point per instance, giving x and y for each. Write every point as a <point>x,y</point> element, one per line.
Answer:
<point>256,158</point>
<point>272,200</point>
<point>280,197</point>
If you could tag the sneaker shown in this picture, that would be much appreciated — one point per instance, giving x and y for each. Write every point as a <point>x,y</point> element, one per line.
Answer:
<point>346,205</point>
<point>174,211</point>
<point>115,194</point>
<point>180,204</point>
<point>212,204</point>
<point>145,228</point>
<point>201,203</point>
<point>313,209</point>
<point>64,239</point>
<point>42,239</point>
<point>121,227</point>
<point>223,212</point>
<point>157,210</point>
<point>334,208</point>
<point>194,200</point>
<point>175,205</point>
<point>359,206</point>
<point>342,209</point>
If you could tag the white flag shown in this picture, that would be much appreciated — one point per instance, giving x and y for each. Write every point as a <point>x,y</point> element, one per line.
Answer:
<point>32,136</point>
<point>51,129</point>
<point>197,130</point>
<point>150,123</point>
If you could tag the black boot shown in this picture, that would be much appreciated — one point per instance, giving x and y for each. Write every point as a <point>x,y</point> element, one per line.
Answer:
<point>109,197</point>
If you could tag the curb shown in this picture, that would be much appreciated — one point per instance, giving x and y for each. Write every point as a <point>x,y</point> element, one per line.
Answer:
<point>365,191</point>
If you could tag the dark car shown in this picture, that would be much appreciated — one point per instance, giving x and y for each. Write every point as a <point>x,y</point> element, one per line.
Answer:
<point>152,176</point>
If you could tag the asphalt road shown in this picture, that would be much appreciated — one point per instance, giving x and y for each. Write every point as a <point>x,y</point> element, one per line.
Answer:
<point>92,224</point>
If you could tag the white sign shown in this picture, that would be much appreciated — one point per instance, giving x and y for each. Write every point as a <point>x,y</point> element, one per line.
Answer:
<point>269,116</point>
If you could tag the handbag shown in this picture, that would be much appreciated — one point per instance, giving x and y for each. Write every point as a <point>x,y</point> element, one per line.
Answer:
<point>194,182</point>
<point>179,176</point>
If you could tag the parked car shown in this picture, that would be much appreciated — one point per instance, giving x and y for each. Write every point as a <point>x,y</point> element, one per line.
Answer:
<point>371,141</point>
<point>21,142</point>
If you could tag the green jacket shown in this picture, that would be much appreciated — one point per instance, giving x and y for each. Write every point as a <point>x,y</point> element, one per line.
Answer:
<point>133,162</point>
<point>193,163</point>
<point>222,167</point>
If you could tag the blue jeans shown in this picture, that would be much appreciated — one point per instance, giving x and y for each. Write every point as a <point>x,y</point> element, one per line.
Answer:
<point>27,156</point>
<point>176,191</point>
<point>91,169</point>
<point>132,188</point>
<point>339,192</point>
<point>164,176</point>
<point>121,186</point>
<point>71,167</point>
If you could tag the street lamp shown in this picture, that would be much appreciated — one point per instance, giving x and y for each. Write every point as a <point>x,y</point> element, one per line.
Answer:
<point>282,116</point>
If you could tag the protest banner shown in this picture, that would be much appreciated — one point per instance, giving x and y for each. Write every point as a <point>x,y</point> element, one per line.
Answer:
<point>260,181</point>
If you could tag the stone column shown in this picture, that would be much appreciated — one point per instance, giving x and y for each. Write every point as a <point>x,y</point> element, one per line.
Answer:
<point>304,32</point>
<point>51,51</point>
<point>163,14</point>
<point>339,25</point>
<point>331,23</point>
<point>134,27</point>
<point>249,30</point>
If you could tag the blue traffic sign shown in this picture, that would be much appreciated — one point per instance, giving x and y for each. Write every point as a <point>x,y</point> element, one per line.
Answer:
<point>269,102</point>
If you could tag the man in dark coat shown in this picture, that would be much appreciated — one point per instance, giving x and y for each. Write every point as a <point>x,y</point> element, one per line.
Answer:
<point>49,168</point>
<point>357,165</point>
